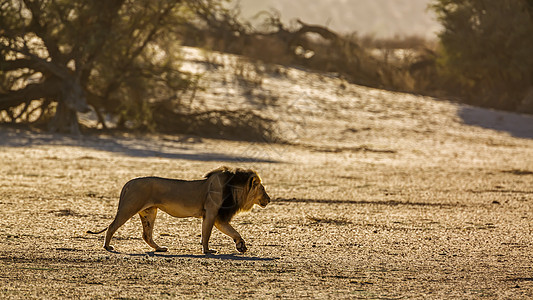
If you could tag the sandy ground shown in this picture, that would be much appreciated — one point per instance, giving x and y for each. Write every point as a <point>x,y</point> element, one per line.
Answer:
<point>378,195</point>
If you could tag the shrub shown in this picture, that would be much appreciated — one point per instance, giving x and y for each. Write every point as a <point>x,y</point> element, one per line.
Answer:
<point>486,50</point>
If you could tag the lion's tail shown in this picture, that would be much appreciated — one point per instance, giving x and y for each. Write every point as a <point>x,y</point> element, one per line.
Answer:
<point>122,194</point>
<point>96,232</point>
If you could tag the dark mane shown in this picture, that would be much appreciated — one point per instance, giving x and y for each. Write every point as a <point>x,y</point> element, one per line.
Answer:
<point>234,179</point>
<point>222,169</point>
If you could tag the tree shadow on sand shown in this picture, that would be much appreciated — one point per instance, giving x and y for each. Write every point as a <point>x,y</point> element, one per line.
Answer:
<point>178,148</point>
<point>517,125</point>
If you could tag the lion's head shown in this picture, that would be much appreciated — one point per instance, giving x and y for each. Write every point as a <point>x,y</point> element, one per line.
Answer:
<point>256,191</point>
<point>241,190</point>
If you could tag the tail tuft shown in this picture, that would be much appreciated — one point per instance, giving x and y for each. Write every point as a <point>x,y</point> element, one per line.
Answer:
<point>96,232</point>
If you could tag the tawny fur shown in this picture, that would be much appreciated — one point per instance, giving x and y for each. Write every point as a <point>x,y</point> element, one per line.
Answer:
<point>216,199</point>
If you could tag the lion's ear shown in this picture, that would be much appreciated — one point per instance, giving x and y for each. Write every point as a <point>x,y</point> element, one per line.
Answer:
<point>253,182</point>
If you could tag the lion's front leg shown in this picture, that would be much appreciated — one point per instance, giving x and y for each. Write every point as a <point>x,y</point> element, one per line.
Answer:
<point>207,227</point>
<point>227,229</point>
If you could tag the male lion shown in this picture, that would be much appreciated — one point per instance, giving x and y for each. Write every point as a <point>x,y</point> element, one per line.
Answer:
<point>216,198</point>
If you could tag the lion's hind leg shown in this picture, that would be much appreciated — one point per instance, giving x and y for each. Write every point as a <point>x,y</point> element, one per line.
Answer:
<point>124,213</point>
<point>148,218</point>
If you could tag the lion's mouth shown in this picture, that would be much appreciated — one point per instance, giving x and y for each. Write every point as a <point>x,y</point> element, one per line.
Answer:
<point>263,201</point>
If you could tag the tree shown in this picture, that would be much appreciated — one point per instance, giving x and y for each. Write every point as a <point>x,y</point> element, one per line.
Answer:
<point>487,49</point>
<point>59,56</point>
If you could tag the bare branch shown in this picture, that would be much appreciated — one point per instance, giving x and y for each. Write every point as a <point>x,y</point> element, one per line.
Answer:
<point>22,63</point>
<point>40,62</point>
<point>48,89</point>
<point>38,25</point>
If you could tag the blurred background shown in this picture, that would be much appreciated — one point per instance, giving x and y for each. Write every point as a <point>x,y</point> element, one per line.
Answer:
<point>125,61</point>
<point>379,18</point>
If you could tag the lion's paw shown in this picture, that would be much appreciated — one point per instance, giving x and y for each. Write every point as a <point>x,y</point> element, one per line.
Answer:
<point>209,251</point>
<point>241,246</point>
<point>109,248</point>
<point>161,249</point>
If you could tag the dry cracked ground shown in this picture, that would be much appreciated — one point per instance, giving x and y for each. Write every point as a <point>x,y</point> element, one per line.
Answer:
<point>376,195</point>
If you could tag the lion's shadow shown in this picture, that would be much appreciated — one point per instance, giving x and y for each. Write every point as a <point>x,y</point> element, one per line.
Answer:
<point>233,256</point>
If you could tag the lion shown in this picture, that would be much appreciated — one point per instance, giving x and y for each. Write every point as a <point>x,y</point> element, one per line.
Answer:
<point>216,198</point>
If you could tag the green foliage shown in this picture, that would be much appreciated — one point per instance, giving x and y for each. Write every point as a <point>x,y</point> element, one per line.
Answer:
<point>486,49</point>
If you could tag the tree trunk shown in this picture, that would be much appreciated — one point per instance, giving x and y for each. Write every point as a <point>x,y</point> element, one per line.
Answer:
<point>65,120</point>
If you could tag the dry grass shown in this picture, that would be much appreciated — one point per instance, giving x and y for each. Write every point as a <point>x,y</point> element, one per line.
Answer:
<point>446,213</point>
